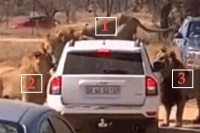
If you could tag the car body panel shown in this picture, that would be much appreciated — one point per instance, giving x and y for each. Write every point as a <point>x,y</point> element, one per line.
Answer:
<point>189,43</point>
<point>42,21</point>
<point>134,100</point>
<point>28,115</point>
<point>14,110</point>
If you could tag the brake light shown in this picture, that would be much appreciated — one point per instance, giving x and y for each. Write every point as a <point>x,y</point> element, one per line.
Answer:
<point>151,86</point>
<point>103,52</point>
<point>55,87</point>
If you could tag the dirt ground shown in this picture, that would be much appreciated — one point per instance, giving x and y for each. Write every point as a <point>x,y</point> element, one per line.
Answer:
<point>14,43</point>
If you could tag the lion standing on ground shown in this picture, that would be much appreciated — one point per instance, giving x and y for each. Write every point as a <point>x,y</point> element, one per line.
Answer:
<point>178,97</point>
<point>35,62</point>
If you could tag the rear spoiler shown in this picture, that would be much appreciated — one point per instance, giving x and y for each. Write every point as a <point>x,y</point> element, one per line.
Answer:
<point>71,43</point>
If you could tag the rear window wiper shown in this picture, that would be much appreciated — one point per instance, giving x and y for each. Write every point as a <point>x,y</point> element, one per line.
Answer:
<point>115,71</point>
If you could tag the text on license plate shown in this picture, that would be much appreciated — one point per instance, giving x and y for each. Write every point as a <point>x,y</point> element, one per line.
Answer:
<point>96,90</point>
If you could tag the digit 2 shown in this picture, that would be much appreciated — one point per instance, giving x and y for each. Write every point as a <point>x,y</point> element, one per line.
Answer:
<point>104,25</point>
<point>32,82</point>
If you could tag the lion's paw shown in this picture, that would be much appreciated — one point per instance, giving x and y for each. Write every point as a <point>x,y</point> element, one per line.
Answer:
<point>178,125</point>
<point>196,121</point>
<point>164,124</point>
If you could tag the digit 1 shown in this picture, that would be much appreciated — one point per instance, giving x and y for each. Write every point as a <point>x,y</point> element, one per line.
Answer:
<point>104,26</point>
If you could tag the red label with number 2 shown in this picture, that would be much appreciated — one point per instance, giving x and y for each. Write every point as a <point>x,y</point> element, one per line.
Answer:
<point>31,80</point>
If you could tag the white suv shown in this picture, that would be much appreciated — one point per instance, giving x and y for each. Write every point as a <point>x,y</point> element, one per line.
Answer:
<point>105,85</point>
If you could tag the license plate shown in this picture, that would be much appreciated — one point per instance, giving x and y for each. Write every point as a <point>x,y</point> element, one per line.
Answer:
<point>98,90</point>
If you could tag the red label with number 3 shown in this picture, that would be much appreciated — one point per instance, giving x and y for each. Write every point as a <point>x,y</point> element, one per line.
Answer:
<point>182,78</point>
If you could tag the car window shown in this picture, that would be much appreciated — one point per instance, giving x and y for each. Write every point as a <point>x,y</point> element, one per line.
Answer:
<point>7,128</point>
<point>60,126</point>
<point>46,127</point>
<point>184,27</point>
<point>194,29</point>
<point>93,63</point>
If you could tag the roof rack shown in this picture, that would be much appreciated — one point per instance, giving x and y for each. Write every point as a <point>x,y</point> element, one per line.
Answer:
<point>138,43</point>
<point>71,43</point>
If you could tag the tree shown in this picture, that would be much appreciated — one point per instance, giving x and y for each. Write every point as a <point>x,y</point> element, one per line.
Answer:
<point>191,7</point>
<point>109,4</point>
<point>48,8</point>
<point>126,5</point>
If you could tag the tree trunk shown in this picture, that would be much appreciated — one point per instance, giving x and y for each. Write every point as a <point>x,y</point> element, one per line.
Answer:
<point>87,5</point>
<point>67,15</point>
<point>164,15</point>
<point>119,5</point>
<point>7,13</point>
<point>165,11</point>
<point>111,7</point>
<point>126,5</point>
<point>32,28</point>
<point>107,8</point>
<point>154,10</point>
<point>103,6</point>
<point>150,5</point>
<point>192,7</point>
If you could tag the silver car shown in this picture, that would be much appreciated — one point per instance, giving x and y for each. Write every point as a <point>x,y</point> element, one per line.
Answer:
<point>187,40</point>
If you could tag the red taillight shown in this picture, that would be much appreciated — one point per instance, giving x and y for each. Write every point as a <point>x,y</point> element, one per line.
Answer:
<point>151,113</point>
<point>151,86</point>
<point>55,87</point>
<point>103,52</point>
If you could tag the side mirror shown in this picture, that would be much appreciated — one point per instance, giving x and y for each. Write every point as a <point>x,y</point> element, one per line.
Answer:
<point>158,66</point>
<point>52,70</point>
<point>178,35</point>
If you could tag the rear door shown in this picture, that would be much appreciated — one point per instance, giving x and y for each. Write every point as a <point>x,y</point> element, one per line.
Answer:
<point>104,77</point>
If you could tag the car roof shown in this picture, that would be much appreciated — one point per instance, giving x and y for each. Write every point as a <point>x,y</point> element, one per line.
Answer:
<point>111,44</point>
<point>14,110</point>
<point>193,18</point>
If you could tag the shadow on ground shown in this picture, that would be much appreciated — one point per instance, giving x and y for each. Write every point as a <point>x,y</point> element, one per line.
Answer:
<point>184,129</point>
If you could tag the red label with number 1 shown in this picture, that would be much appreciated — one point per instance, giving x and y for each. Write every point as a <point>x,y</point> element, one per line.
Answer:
<point>104,25</point>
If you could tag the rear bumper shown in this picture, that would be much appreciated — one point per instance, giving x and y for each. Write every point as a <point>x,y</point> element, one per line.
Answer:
<point>96,123</point>
<point>54,101</point>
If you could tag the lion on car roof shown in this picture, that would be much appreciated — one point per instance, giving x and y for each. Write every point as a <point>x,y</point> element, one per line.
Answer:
<point>34,62</point>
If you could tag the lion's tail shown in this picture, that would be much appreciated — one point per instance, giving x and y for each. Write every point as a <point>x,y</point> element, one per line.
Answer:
<point>153,30</point>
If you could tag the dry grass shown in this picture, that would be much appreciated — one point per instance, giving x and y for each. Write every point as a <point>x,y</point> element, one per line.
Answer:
<point>14,51</point>
<point>22,32</point>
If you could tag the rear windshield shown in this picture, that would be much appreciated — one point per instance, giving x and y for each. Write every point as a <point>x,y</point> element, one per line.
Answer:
<point>114,63</point>
<point>8,128</point>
